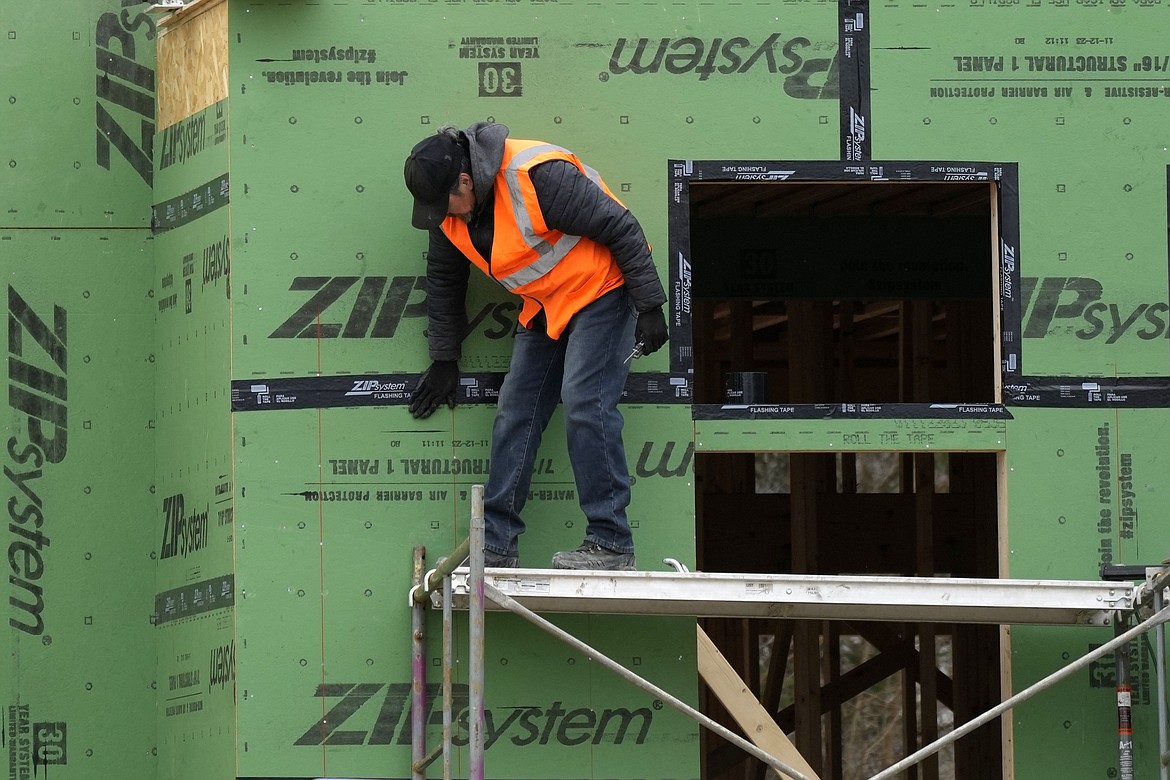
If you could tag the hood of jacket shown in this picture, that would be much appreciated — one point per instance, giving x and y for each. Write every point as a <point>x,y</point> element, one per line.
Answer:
<point>485,140</point>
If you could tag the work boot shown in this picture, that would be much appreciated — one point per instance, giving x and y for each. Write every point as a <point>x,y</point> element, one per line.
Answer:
<point>494,560</point>
<point>594,556</point>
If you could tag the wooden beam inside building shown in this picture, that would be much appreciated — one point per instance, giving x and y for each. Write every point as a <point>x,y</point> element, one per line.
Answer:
<point>745,709</point>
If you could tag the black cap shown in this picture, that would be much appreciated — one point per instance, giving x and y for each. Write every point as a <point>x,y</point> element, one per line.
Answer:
<point>431,171</point>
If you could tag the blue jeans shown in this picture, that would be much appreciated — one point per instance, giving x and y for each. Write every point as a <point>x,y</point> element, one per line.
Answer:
<point>585,370</point>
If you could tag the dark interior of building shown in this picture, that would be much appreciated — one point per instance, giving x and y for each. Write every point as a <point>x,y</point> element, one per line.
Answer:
<point>851,292</point>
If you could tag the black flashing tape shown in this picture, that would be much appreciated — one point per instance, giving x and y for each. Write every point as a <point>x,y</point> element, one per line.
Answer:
<point>328,392</point>
<point>336,392</point>
<point>1089,392</point>
<point>195,598</point>
<point>850,412</point>
<point>190,206</point>
<point>678,277</point>
<point>685,171</point>
<point>1011,310</point>
<point>854,79</point>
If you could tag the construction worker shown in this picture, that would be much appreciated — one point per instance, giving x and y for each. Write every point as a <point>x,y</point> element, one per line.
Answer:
<point>538,221</point>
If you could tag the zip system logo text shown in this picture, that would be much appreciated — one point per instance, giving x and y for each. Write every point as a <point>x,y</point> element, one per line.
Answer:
<point>355,307</point>
<point>377,389</point>
<point>182,534</point>
<point>682,290</point>
<point>38,394</point>
<point>1078,305</point>
<point>521,725</point>
<point>790,57</point>
<point>125,86</point>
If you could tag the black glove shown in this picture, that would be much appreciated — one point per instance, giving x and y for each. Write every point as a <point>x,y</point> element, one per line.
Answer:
<point>436,386</point>
<point>651,330</point>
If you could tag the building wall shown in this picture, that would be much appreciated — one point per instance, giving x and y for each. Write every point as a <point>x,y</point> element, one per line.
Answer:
<point>294,284</point>
<point>78,683</point>
<point>195,586</point>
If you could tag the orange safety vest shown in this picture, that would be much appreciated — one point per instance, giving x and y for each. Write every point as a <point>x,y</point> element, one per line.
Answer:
<point>560,273</point>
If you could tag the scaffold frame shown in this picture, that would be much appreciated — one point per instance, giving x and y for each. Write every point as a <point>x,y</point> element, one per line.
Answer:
<point>526,592</point>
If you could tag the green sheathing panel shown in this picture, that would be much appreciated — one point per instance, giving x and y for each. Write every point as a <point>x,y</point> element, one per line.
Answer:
<point>328,99</point>
<point>326,102</point>
<point>79,658</point>
<point>1071,729</point>
<point>76,114</point>
<point>1077,94</point>
<point>1090,483</point>
<point>193,509</point>
<point>331,503</point>
<point>906,435</point>
<point>1085,493</point>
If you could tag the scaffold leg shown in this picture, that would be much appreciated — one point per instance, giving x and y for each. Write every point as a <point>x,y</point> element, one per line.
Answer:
<point>1160,666</point>
<point>476,637</point>
<point>418,675</point>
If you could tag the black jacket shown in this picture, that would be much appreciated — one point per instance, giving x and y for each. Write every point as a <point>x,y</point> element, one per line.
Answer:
<point>570,203</point>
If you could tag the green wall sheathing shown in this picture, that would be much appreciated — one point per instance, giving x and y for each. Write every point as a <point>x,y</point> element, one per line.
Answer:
<point>78,670</point>
<point>329,278</point>
<point>76,120</point>
<point>195,590</point>
<point>920,435</point>
<point>1086,493</point>
<point>1076,93</point>
<point>271,549</point>
<point>1071,728</point>
<point>321,161</point>
<point>331,503</point>
<point>328,282</point>
<point>76,115</point>
<point>1092,483</point>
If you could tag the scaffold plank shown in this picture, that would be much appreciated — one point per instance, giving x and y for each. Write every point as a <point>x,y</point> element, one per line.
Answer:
<point>817,597</point>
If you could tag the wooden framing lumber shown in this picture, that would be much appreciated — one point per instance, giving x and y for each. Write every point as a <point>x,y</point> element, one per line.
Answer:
<point>743,706</point>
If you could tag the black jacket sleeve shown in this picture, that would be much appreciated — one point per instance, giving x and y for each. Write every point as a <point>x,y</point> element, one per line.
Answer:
<point>575,205</point>
<point>447,274</point>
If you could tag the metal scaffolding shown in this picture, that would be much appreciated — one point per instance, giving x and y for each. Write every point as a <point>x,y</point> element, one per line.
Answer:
<point>526,592</point>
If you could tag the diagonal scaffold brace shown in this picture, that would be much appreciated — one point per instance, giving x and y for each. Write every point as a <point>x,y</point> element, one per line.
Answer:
<point>998,601</point>
<point>471,550</point>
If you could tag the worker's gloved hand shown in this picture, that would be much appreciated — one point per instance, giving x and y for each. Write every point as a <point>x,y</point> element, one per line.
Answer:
<point>437,386</point>
<point>651,330</point>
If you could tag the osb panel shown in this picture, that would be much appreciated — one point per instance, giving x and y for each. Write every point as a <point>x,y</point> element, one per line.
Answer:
<point>192,61</point>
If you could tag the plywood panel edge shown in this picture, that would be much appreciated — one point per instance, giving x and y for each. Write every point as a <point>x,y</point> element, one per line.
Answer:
<point>185,14</point>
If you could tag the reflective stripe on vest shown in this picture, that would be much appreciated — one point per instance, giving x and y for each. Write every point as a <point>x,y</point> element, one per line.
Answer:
<point>550,254</point>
